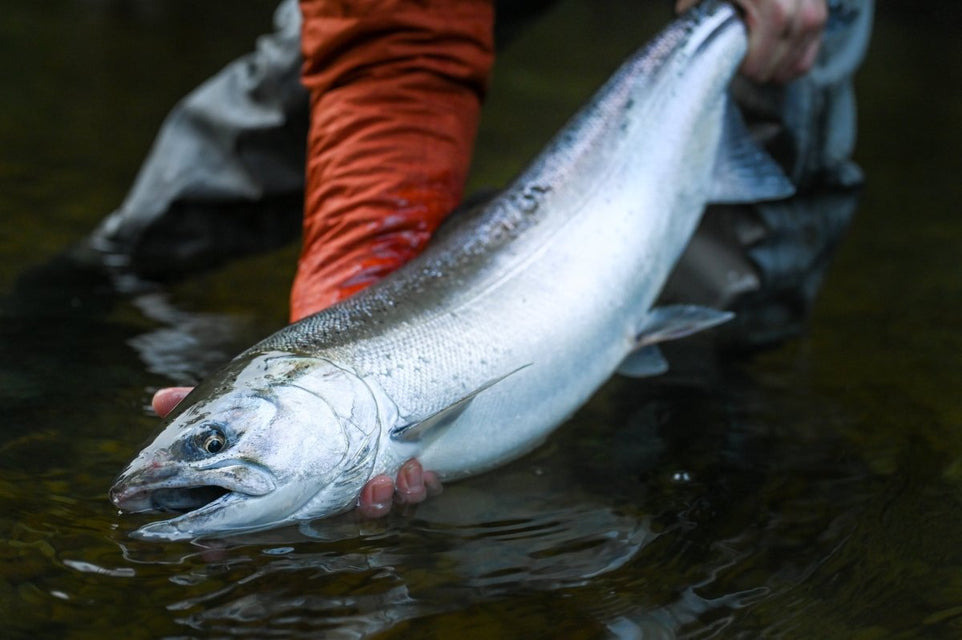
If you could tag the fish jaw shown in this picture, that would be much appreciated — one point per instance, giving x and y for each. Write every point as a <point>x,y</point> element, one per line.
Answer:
<point>168,487</point>
<point>230,514</point>
<point>221,501</point>
<point>189,526</point>
<point>204,495</point>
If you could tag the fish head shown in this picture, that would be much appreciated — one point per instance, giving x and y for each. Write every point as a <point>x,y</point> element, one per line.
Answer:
<point>273,439</point>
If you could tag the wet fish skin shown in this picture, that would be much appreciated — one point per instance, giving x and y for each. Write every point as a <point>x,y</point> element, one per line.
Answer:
<point>470,355</point>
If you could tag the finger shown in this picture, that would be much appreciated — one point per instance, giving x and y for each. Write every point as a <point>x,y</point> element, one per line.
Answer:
<point>166,399</point>
<point>767,69</point>
<point>410,483</point>
<point>684,5</point>
<point>800,61</point>
<point>784,36</point>
<point>432,483</point>
<point>807,60</point>
<point>376,497</point>
<point>812,16</point>
<point>767,20</point>
<point>808,23</point>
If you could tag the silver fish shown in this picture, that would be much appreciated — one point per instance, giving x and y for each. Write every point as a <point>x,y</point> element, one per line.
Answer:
<point>470,355</point>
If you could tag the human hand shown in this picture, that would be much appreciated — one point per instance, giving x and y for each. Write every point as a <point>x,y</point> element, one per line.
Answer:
<point>783,37</point>
<point>381,492</point>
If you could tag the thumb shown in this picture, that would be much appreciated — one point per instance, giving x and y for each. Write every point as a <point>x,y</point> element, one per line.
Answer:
<point>166,399</point>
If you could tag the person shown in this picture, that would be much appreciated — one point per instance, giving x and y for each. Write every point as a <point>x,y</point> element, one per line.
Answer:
<point>393,91</point>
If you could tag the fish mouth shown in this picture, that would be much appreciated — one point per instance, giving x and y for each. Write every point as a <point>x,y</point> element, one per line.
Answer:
<point>199,507</point>
<point>185,499</point>
<point>194,493</point>
<point>163,498</point>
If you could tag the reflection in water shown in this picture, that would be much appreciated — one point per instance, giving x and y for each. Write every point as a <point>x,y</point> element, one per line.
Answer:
<point>187,345</point>
<point>697,502</point>
<point>683,514</point>
<point>512,533</point>
<point>434,568</point>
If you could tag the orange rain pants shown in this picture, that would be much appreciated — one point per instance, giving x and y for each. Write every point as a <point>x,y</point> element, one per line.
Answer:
<point>396,89</point>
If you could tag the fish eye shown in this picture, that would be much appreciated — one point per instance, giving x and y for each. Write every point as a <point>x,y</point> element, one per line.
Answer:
<point>213,441</point>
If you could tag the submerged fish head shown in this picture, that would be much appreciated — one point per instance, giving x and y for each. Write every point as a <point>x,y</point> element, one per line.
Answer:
<point>278,438</point>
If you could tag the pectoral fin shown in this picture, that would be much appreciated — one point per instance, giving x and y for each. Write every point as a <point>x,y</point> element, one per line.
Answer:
<point>644,362</point>
<point>662,324</point>
<point>417,430</point>
<point>743,171</point>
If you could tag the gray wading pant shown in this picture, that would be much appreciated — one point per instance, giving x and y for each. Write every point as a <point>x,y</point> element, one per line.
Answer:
<point>225,175</point>
<point>225,178</point>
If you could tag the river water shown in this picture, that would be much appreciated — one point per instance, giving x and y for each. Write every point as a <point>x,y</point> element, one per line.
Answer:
<point>813,491</point>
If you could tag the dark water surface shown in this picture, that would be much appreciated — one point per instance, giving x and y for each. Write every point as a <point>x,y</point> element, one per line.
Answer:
<point>812,492</point>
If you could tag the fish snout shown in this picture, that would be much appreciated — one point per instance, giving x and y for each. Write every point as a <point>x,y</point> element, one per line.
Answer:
<point>129,498</point>
<point>173,487</point>
<point>131,490</point>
